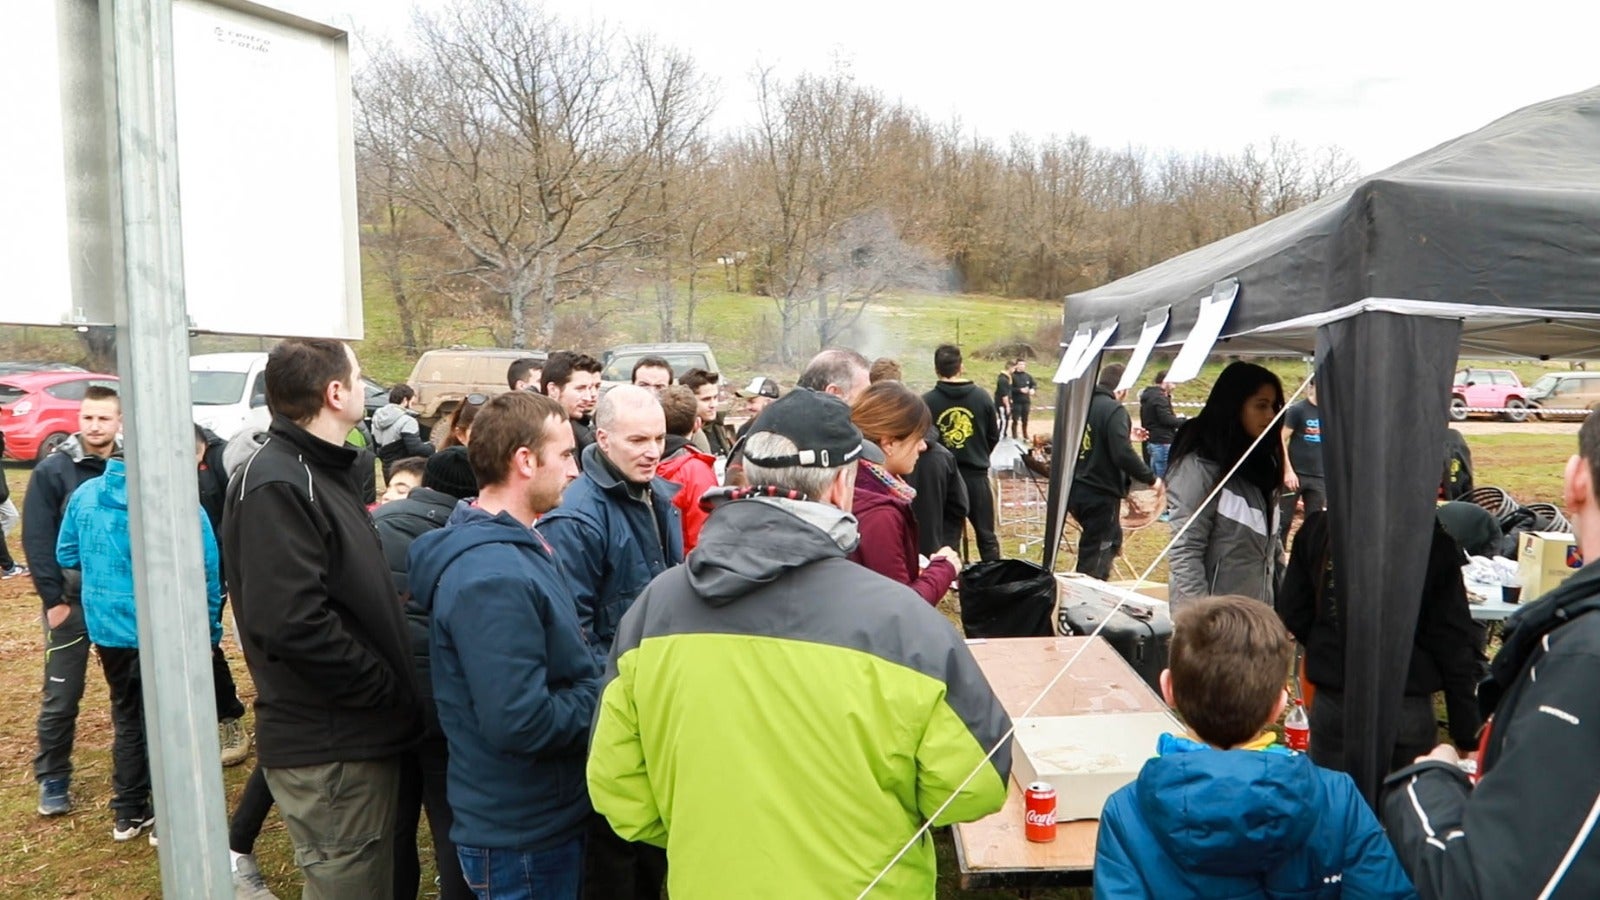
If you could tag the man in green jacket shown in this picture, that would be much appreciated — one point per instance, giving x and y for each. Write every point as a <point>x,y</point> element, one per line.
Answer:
<point>772,697</point>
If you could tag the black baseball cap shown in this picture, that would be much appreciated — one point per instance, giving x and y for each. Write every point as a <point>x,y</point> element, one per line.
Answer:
<point>819,425</point>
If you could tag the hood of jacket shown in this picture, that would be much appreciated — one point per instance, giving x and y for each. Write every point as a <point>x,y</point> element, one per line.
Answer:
<point>872,494</point>
<point>468,527</point>
<point>752,541</point>
<point>113,492</point>
<point>957,390</point>
<point>240,448</point>
<point>73,448</point>
<point>389,421</point>
<point>1229,812</point>
<point>677,460</point>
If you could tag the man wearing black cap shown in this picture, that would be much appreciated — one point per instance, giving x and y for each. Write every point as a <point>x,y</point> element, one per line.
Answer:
<point>769,666</point>
<point>446,481</point>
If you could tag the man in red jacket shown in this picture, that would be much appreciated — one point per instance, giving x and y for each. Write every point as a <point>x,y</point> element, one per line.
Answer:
<point>682,464</point>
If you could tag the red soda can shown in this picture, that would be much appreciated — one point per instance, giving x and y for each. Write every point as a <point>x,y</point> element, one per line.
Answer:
<point>1040,817</point>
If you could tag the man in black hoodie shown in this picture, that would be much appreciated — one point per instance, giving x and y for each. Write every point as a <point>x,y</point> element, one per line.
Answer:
<point>1526,828</point>
<point>969,428</point>
<point>1107,467</point>
<point>322,628</point>
<point>1157,418</point>
<point>446,480</point>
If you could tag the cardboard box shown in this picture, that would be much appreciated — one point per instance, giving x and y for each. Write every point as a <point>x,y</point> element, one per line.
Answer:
<point>1544,560</point>
<point>1152,589</point>
<point>1086,758</point>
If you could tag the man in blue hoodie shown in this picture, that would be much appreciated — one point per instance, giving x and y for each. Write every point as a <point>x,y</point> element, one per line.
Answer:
<point>1233,814</point>
<point>514,679</point>
<point>94,546</point>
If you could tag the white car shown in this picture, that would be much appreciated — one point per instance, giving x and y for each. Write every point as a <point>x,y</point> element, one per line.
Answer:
<point>229,391</point>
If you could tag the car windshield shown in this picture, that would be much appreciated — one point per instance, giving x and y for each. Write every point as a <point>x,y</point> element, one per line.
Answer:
<point>1545,385</point>
<point>621,366</point>
<point>216,388</point>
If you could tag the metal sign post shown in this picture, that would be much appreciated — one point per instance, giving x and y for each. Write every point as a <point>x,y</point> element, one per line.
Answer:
<point>153,354</point>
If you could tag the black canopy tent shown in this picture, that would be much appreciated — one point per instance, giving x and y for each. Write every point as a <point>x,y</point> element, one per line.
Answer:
<point>1488,245</point>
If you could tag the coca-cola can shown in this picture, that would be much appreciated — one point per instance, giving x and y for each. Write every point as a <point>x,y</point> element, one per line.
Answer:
<point>1039,801</point>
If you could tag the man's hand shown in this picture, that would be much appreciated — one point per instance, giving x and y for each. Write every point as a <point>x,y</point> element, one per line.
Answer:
<point>57,614</point>
<point>1139,433</point>
<point>948,554</point>
<point>1442,753</point>
<point>1291,481</point>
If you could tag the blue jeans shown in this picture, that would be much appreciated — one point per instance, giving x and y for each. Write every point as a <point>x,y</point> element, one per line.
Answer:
<point>1158,458</point>
<point>554,874</point>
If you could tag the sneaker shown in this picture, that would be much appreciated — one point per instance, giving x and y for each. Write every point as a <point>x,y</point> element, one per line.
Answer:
<point>235,742</point>
<point>53,797</point>
<point>153,840</point>
<point>1164,517</point>
<point>128,829</point>
<point>247,881</point>
<point>14,571</point>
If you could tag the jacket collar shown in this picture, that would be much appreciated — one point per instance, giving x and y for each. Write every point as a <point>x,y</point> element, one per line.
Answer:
<point>674,444</point>
<point>606,477</point>
<point>311,448</point>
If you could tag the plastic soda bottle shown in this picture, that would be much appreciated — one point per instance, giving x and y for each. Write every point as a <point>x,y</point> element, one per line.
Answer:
<point>1297,728</point>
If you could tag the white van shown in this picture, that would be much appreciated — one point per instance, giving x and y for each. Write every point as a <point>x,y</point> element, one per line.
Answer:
<point>229,391</point>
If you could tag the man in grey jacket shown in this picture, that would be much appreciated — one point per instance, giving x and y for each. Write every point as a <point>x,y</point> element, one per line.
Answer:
<point>395,430</point>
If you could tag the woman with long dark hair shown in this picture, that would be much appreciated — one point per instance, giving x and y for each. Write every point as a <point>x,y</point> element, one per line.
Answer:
<point>892,416</point>
<point>1230,546</point>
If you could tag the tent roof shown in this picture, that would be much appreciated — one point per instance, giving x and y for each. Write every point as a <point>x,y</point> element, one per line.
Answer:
<point>1499,223</point>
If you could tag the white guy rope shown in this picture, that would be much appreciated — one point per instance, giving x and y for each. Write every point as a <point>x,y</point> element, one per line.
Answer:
<point>1061,673</point>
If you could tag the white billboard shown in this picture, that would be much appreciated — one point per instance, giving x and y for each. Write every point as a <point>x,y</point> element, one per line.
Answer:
<point>266,170</point>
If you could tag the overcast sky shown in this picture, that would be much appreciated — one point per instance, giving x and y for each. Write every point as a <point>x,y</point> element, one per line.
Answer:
<point>1381,80</point>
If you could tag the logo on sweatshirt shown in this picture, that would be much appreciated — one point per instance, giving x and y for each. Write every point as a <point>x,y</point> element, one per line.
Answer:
<point>956,427</point>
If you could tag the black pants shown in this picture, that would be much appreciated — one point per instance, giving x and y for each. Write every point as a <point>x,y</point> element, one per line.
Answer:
<point>422,785</point>
<point>1019,416</point>
<point>228,705</point>
<point>1100,516</point>
<point>1315,493</point>
<point>254,804</point>
<point>66,657</point>
<point>615,869</point>
<point>1419,730</point>
<point>130,758</point>
<point>980,512</point>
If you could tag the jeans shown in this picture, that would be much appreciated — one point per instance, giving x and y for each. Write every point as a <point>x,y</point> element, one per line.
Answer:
<point>1100,516</point>
<point>1158,458</point>
<point>980,512</point>
<point>9,520</point>
<point>554,874</point>
<point>66,657</point>
<point>130,758</point>
<point>422,785</point>
<point>341,818</point>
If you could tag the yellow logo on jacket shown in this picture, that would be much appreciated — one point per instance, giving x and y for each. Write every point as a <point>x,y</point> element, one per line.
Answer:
<point>956,427</point>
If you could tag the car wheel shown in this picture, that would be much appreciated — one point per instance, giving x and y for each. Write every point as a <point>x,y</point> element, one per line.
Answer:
<point>1516,410</point>
<point>441,428</point>
<point>1458,409</point>
<point>49,445</point>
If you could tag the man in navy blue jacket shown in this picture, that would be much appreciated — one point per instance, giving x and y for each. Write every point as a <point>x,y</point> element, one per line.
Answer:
<point>514,678</point>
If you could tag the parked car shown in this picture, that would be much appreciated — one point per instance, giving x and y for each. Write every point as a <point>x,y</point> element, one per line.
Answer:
<point>1488,389</point>
<point>1565,394</point>
<point>377,396</point>
<point>443,378</point>
<point>619,360</point>
<point>39,410</point>
<point>229,392</point>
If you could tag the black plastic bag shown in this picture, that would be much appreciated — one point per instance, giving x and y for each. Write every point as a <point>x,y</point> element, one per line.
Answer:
<point>1007,598</point>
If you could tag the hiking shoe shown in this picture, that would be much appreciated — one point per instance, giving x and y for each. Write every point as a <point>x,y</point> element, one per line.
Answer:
<point>235,742</point>
<point>247,881</point>
<point>128,829</point>
<point>14,571</point>
<point>53,797</point>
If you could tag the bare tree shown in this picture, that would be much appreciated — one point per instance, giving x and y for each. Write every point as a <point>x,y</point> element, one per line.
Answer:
<point>534,144</point>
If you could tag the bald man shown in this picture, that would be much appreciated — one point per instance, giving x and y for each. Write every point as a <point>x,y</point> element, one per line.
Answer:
<point>615,530</point>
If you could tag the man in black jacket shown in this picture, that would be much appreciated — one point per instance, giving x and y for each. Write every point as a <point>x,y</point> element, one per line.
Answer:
<point>447,480</point>
<point>969,428</point>
<point>1526,829</point>
<point>1158,419</point>
<point>1107,467</point>
<point>80,458</point>
<point>323,631</point>
<point>1023,387</point>
<point>940,506</point>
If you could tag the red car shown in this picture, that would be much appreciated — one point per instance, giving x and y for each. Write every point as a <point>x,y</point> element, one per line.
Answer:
<point>39,410</point>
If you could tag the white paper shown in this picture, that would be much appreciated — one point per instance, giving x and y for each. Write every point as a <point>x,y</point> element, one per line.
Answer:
<point>1075,348</point>
<point>1203,336</point>
<point>1154,325</point>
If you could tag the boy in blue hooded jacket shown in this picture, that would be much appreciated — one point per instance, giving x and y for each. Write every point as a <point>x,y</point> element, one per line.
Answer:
<point>94,540</point>
<point>1234,814</point>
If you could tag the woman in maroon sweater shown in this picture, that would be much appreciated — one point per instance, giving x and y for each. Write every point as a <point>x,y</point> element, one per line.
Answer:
<point>892,416</point>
